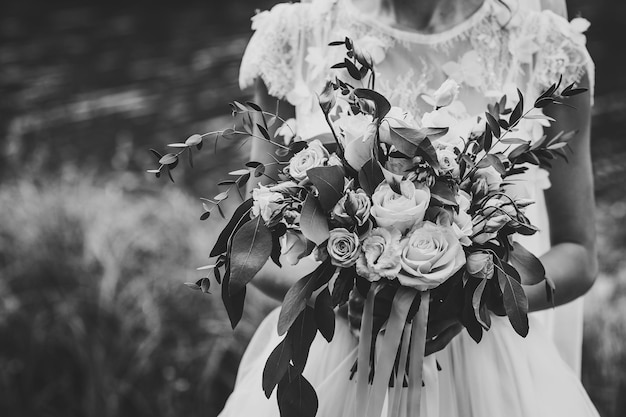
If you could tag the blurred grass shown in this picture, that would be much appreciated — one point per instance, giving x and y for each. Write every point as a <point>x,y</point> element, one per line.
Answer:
<point>94,319</point>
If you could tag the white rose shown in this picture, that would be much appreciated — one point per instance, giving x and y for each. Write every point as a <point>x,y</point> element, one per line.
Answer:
<point>313,156</point>
<point>358,134</point>
<point>490,175</point>
<point>480,265</point>
<point>403,210</point>
<point>266,203</point>
<point>447,160</point>
<point>430,255</point>
<point>380,254</point>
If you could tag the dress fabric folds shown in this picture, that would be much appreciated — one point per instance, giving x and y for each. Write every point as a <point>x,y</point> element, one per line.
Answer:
<point>493,52</point>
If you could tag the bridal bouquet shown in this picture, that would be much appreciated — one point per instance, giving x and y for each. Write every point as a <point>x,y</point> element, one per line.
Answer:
<point>414,217</point>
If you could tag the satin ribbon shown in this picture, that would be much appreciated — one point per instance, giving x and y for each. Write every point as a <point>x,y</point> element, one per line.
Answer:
<point>370,398</point>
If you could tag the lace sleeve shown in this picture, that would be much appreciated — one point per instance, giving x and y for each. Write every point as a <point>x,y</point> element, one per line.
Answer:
<point>562,51</point>
<point>271,52</point>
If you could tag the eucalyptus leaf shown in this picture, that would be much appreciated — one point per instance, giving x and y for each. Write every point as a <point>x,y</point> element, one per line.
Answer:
<point>168,159</point>
<point>370,176</point>
<point>251,248</point>
<point>240,216</point>
<point>313,221</point>
<point>493,124</point>
<point>193,140</point>
<point>296,298</point>
<point>476,302</point>
<point>297,398</point>
<point>329,182</point>
<point>233,303</point>
<point>528,266</point>
<point>276,366</point>
<point>515,302</point>
<point>301,335</point>
<point>382,104</point>
<point>324,314</point>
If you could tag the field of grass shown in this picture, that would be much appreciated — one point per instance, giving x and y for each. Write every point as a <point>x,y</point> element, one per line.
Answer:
<point>94,317</point>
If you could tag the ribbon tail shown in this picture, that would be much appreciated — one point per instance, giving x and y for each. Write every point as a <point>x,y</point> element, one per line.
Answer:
<point>396,393</point>
<point>388,350</point>
<point>418,345</point>
<point>363,352</point>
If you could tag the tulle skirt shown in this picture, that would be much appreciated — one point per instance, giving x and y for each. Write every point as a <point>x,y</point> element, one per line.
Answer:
<point>504,375</point>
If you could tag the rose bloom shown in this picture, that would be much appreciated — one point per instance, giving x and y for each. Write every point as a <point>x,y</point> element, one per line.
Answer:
<point>266,202</point>
<point>480,265</point>
<point>380,254</point>
<point>491,177</point>
<point>430,255</point>
<point>358,134</point>
<point>354,207</point>
<point>403,210</point>
<point>343,247</point>
<point>447,160</point>
<point>313,156</point>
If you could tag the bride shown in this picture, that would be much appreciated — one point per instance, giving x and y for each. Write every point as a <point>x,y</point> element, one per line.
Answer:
<point>489,47</point>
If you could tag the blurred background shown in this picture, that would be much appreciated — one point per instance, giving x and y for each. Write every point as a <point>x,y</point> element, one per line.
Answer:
<point>94,319</point>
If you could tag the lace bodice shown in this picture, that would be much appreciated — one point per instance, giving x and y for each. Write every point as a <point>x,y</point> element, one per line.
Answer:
<point>494,51</point>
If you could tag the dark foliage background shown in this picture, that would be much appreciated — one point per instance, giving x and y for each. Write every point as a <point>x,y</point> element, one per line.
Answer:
<point>94,319</point>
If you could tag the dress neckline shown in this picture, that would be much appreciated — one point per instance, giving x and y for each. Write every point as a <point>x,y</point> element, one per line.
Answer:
<point>418,37</point>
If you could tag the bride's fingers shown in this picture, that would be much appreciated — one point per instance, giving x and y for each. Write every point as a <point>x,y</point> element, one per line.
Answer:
<point>442,339</point>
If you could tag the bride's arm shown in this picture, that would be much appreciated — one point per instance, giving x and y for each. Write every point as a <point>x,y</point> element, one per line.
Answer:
<point>272,280</point>
<point>572,261</point>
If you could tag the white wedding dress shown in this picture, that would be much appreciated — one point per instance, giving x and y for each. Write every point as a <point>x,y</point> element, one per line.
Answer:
<point>489,54</point>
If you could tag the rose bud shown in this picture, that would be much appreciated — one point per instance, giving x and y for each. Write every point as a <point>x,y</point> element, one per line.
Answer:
<point>353,207</point>
<point>327,98</point>
<point>480,265</point>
